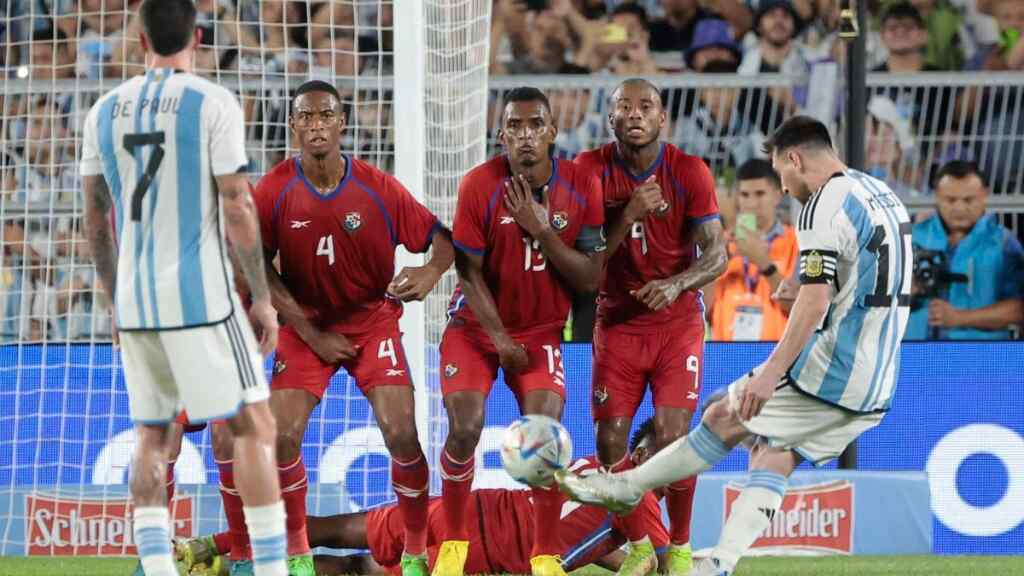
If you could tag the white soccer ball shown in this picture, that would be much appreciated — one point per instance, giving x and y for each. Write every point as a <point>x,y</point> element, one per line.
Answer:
<point>534,447</point>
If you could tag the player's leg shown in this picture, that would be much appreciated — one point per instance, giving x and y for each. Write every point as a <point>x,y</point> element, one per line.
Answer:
<point>541,390</point>
<point>153,400</point>
<point>338,531</point>
<point>232,364</point>
<point>469,366</point>
<point>223,454</point>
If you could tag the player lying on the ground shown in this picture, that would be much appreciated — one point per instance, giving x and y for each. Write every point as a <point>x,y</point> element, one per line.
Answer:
<point>831,377</point>
<point>500,529</point>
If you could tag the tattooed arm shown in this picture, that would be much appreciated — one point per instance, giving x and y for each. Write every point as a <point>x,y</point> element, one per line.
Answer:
<point>243,229</point>
<point>96,222</point>
<point>658,294</point>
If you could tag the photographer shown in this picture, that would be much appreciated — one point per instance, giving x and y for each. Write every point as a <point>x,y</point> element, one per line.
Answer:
<point>967,268</point>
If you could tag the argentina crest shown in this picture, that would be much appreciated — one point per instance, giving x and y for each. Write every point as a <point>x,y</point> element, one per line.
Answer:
<point>813,264</point>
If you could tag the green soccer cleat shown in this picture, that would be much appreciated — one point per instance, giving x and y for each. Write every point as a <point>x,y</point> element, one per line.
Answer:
<point>301,565</point>
<point>641,560</point>
<point>609,491</point>
<point>680,560</point>
<point>191,552</point>
<point>241,568</point>
<point>138,569</point>
<point>414,565</point>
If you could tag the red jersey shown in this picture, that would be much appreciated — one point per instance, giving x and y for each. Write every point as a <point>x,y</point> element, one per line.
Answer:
<point>337,251</point>
<point>526,288</point>
<point>500,524</point>
<point>659,246</point>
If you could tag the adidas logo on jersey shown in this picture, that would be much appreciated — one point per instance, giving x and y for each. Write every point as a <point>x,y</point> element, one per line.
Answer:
<point>296,224</point>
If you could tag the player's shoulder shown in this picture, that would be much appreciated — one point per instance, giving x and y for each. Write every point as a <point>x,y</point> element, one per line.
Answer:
<point>206,87</point>
<point>574,172</point>
<point>681,164</point>
<point>366,173</point>
<point>489,172</point>
<point>595,159</point>
<point>826,201</point>
<point>282,173</point>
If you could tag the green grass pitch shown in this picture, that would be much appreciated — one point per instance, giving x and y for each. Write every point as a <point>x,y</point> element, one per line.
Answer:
<point>832,566</point>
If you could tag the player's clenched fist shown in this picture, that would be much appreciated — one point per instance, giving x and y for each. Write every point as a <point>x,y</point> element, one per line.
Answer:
<point>414,283</point>
<point>646,199</point>
<point>658,294</point>
<point>264,324</point>
<point>512,355</point>
<point>332,347</point>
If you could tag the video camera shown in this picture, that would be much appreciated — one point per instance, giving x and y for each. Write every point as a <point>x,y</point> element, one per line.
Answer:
<point>932,276</point>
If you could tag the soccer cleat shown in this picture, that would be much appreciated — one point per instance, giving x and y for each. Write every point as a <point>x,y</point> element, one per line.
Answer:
<point>641,560</point>
<point>608,491</point>
<point>138,570</point>
<point>241,568</point>
<point>451,558</point>
<point>546,565</point>
<point>680,559</point>
<point>301,565</point>
<point>413,565</point>
<point>709,567</point>
<point>192,551</point>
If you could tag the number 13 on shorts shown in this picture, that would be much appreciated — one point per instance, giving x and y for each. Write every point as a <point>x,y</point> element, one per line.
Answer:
<point>555,368</point>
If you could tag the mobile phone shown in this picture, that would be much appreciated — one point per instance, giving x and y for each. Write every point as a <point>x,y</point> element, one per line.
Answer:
<point>745,222</point>
<point>614,34</point>
<point>537,5</point>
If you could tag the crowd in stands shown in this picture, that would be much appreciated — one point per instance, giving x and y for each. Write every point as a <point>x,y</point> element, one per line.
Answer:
<point>919,137</point>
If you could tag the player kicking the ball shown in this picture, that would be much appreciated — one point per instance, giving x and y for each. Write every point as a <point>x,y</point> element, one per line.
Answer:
<point>830,378</point>
<point>665,242</point>
<point>528,232</point>
<point>334,223</point>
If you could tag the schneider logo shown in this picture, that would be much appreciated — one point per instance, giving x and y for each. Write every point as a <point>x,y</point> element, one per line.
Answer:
<point>818,518</point>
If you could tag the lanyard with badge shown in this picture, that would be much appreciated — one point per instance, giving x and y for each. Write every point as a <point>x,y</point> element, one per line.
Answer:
<point>749,317</point>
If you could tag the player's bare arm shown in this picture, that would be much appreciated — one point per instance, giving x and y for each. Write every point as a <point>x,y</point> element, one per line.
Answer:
<point>582,271</point>
<point>243,229</point>
<point>470,268</point>
<point>811,304</point>
<point>100,233</point>
<point>328,346</point>
<point>415,282</point>
<point>646,199</point>
<point>710,238</point>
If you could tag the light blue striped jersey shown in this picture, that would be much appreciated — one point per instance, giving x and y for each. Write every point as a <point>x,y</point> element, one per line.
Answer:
<point>854,233</point>
<point>159,140</point>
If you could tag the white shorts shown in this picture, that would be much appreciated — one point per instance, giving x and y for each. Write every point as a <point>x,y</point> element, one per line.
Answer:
<point>795,421</point>
<point>210,371</point>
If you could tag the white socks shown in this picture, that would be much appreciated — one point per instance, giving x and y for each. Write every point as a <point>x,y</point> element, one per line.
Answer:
<point>151,528</point>
<point>688,456</point>
<point>269,539</point>
<point>751,514</point>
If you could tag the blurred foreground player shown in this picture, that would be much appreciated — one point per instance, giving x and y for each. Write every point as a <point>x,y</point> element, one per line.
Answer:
<point>831,377</point>
<point>334,223</point>
<point>166,152</point>
<point>528,232</point>
<point>665,241</point>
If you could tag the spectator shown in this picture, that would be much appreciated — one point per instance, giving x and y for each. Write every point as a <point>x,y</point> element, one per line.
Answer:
<point>949,43</point>
<point>580,125</point>
<point>337,56</point>
<point>105,43</point>
<point>723,128</point>
<point>538,39</point>
<point>41,174</point>
<point>712,41</point>
<point>890,151</point>
<point>984,300</point>
<point>677,30</point>
<point>50,55</point>
<point>762,253</point>
<point>905,38</point>
<point>623,48</point>
<point>777,25</point>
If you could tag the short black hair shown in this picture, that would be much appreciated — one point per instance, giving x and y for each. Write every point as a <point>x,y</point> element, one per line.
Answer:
<point>525,94</point>
<point>646,429</point>
<point>757,168</point>
<point>798,131</point>
<point>169,24</point>
<point>960,169</point>
<point>721,67</point>
<point>50,34</point>
<point>315,86</point>
<point>634,9</point>
<point>902,10</point>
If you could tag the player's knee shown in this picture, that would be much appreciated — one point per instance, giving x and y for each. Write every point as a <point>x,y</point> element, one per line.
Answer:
<point>401,438</point>
<point>254,421</point>
<point>611,442</point>
<point>223,442</point>
<point>464,432</point>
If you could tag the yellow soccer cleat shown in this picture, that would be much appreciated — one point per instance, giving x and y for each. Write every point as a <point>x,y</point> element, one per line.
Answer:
<point>680,560</point>
<point>546,565</point>
<point>451,558</point>
<point>641,560</point>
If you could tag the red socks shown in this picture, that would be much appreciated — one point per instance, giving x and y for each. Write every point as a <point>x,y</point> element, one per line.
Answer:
<point>410,481</point>
<point>294,486</point>
<point>632,523</point>
<point>679,500</point>
<point>240,548</point>
<point>547,508</point>
<point>456,482</point>
<point>222,542</point>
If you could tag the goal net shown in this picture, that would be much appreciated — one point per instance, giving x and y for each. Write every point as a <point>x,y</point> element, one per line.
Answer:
<point>65,434</point>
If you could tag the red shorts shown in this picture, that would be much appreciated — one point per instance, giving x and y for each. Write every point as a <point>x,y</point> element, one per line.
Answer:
<point>624,363</point>
<point>189,427</point>
<point>380,362</point>
<point>470,362</point>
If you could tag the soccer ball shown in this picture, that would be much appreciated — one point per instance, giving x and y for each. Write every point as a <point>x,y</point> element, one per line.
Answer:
<point>534,447</point>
